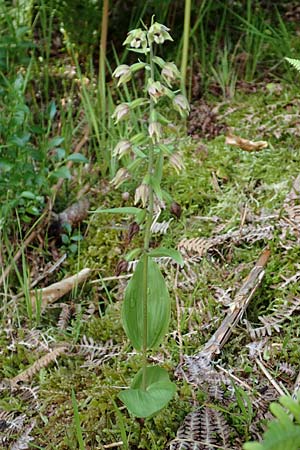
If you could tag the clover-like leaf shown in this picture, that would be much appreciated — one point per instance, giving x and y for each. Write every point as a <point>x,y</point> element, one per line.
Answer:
<point>159,391</point>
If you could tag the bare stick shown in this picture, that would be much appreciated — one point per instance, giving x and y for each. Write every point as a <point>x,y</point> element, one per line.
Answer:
<point>237,309</point>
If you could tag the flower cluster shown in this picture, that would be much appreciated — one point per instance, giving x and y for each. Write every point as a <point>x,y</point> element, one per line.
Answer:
<point>156,89</point>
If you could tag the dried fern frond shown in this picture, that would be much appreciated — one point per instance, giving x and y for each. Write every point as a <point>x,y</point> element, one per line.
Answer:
<point>33,339</point>
<point>28,394</point>
<point>222,428</point>
<point>65,315</point>
<point>25,438</point>
<point>250,234</point>
<point>10,424</point>
<point>275,320</point>
<point>208,430</point>
<point>287,369</point>
<point>44,361</point>
<point>188,434</point>
<point>202,429</point>
<point>199,372</point>
<point>95,354</point>
<point>89,312</point>
<point>161,227</point>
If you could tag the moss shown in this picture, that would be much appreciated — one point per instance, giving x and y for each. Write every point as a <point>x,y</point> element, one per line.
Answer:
<point>216,185</point>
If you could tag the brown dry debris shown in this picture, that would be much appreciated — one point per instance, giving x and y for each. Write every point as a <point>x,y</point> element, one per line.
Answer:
<point>245,144</point>
<point>203,121</point>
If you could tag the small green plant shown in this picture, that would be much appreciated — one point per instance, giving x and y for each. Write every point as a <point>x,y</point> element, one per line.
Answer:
<point>146,308</point>
<point>294,62</point>
<point>77,422</point>
<point>283,432</point>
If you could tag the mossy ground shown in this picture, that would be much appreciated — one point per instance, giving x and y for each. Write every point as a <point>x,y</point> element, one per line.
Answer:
<point>218,182</point>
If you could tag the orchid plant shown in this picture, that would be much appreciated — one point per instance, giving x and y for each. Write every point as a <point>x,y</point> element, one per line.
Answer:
<point>147,307</point>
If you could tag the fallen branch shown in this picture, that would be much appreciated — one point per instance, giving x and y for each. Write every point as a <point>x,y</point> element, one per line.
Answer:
<point>42,362</point>
<point>196,364</point>
<point>50,294</point>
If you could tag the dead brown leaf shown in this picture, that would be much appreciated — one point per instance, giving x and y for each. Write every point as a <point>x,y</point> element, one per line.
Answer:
<point>245,144</point>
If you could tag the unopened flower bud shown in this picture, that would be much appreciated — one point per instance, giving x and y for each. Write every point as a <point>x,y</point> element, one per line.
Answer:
<point>155,90</point>
<point>122,148</point>
<point>159,33</point>
<point>170,73</point>
<point>121,267</point>
<point>181,105</point>
<point>123,72</point>
<point>155,131</point>
<point>177,162</point>
<point>121,176</point>
<point>142,194</point>
<point>134,228</point>
<point>125,196</point>
<point>136,38</point>
<point>176,209</point>
<point>120,112</point>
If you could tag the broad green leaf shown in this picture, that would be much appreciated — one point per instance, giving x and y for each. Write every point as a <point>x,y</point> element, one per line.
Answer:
<point>159,61</point>
<point>28,194</point>
<point>155,183</point>
<point>253,446</point>
<point>146,403</point>
<point>158,306</point>
<point>280,413</point>
<point>60,153</point>
<point>52,110</point>
<point>55,142</point>
<point>159,166</point>
<point>292,405</point>
<point>5,165</point>
<point>153,375</point>
<point>133,254</point>
<point>166,149</point>
<point>21,141</point>
<point>33,210</point>
<point>168,252</point>
<point>77,157</point>
<point>139,152</point>
<point>62,172</point>
<point>122,210</point>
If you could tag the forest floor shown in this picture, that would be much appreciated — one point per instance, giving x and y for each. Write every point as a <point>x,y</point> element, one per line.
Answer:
<point>236,206</point>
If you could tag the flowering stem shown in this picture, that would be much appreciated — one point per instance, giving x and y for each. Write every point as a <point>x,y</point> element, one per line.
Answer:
<point>147,237</point>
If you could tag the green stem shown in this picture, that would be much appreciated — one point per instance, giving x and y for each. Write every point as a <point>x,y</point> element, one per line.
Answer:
<point>186,36</point>
<point>102,56</point>
<point>147,238</point>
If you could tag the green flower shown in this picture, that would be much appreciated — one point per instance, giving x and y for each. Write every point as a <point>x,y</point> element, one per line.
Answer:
<point>170,73</point>
<point>136,39</point>
<point>159,33</point>
<point>122,148</point>
<point>121,112</point>
<point>121,176</point>
<point>155,90</point>
<point>123,72</point>
<point>181,105</point>
<point>155,131</point>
